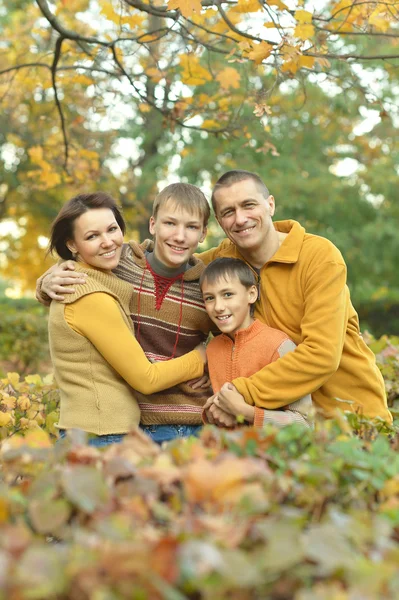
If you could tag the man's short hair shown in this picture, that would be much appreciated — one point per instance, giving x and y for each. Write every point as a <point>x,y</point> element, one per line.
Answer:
<point>231,177</point>
<point>223,268</point>
<point>186,196</point>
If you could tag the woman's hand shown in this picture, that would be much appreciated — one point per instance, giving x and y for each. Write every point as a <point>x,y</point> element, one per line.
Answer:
<point>232,402</point>
<point>217,416</point>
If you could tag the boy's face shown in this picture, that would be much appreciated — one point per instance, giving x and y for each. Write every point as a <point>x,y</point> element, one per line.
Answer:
<point>177,234</point>
<point>228,304</point>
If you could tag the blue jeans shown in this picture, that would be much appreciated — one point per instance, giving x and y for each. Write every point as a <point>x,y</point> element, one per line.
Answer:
<point>99,440</point>
<point>166,433</point>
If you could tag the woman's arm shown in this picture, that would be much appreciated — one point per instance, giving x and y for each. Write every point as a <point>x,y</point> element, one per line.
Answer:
<point>98,317</point>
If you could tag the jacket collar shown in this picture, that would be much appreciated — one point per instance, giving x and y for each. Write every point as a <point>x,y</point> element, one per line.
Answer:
<point>291,247</point>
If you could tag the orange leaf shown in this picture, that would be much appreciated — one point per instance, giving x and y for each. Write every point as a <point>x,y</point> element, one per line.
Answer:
<point>260,51</point>
<point>229,78</point>
<point>186,7</point>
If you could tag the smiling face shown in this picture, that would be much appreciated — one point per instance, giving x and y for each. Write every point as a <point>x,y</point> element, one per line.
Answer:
<point>97,239</point>
<point>245,216</point>
<point>177,234</point>
<point>228,302</point>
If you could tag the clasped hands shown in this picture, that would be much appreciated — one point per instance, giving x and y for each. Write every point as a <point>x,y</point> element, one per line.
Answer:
<point>223,408</point>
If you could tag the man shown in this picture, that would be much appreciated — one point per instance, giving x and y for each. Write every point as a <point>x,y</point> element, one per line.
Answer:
<point>303,292</point>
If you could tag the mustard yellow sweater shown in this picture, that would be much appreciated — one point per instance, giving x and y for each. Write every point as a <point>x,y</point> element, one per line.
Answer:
<point>303,292</point>
<point>97,360</point>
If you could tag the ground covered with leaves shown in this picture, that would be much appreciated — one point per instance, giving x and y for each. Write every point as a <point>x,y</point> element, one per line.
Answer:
<point>248,514</point>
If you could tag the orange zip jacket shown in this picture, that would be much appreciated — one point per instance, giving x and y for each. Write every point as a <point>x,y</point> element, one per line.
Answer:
<point>303,292</point>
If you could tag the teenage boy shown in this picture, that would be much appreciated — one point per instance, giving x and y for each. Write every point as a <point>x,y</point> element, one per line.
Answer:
<point>303,292</point>
<point>166,308</point>
<point>245,346</point>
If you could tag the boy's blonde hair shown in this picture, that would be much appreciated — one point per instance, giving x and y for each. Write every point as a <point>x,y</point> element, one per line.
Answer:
<point>186,196</point>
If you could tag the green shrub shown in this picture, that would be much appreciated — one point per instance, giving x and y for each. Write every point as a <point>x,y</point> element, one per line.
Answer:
<point>23,335</point>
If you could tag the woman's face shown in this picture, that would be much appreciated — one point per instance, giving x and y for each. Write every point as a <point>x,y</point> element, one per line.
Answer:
<point>97,239</point>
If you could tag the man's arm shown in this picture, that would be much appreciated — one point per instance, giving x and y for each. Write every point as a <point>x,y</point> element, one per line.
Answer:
<point>317,357</point>
<point>53,284</point>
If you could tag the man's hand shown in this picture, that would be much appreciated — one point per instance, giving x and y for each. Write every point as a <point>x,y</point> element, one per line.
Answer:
<point>54,284</point>
<point>232,402</point>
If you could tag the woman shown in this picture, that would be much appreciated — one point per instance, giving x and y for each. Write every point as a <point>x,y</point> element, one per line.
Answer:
<point>96,358</point>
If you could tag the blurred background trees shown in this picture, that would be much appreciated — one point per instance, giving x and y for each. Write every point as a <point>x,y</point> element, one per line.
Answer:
<point>128,96</point>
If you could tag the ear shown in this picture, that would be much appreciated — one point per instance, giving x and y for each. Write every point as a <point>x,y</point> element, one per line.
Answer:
<point>272,206</point>
<point>203,235</point>
<point>252,294</point>
<point>151,226</point>
<point>71,246</point>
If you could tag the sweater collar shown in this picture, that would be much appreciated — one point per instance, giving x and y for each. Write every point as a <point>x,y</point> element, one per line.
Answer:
<point>194,268</point>
<point>244,335</point>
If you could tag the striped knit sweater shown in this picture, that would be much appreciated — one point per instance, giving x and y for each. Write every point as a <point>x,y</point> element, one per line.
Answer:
<point>175,327</point>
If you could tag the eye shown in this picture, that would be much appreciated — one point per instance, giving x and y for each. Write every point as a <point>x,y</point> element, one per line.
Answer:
<point>91,237</point>
<point>113,228</point>
<point>208,298</point>
<point>228,294</point>
<point>195,227</point>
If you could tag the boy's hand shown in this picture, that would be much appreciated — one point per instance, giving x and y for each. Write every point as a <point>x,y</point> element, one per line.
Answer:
<point>55,282</point>
<point>217,416</point>
<point>200,382</point>
<point>231,401</point>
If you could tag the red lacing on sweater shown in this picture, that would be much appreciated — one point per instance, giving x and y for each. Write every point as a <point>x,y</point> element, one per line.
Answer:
<point>162,286</point>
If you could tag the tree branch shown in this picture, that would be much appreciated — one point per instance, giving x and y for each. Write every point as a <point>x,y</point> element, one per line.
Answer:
<point>57,55</point>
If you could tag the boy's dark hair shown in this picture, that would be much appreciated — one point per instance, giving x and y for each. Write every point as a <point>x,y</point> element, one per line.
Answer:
<point>184,195</point>
<point>63,225</point>
<point>228,267</point>
<point>222,268</point>
<point>231,177</point>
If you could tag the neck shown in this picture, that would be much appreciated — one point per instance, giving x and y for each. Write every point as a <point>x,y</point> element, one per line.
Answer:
<point>257,257</point>
<point>164,270</point>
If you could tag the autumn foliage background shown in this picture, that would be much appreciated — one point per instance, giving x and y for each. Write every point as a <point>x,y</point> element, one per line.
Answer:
<point>130,95</point>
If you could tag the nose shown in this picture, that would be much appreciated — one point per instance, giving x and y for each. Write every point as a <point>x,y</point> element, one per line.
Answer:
<point>179,233</point>
<point>241,217</point>
<point>106,240</point>
<point>219,305</point>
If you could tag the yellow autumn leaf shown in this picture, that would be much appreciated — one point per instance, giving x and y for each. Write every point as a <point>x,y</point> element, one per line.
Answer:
<point>36,154</point>
<point>12,379</point>
<point>304,31</point>
<point>144,107</point>
<point>259,52</point>
<point>154,74</point>
<point>229,78</point>
<point>306,61</point>
<point>9,402</point>
<point>48,379</point>
<point>210,124</point>
<point>246,6</point>
<point>5,419</point>
<point>278,4</point>
<point>379,20</point>
<point>303,16</point>
<point>193,73</point>
<point>186,7</point>
<point>34,380</point>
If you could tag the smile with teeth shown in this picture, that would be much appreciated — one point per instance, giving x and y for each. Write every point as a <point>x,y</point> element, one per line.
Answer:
<point>109,254</point>
<point>223,317</point>
<point>177,248</point>
<point>246,230</point>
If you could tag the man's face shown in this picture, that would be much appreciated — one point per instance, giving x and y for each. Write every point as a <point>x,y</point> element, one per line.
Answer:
<point>177,234</point>
<point>244,214</point>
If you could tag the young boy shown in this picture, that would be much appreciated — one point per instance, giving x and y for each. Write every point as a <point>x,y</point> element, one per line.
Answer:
<point>246,345</point>
<point>167,307</point>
